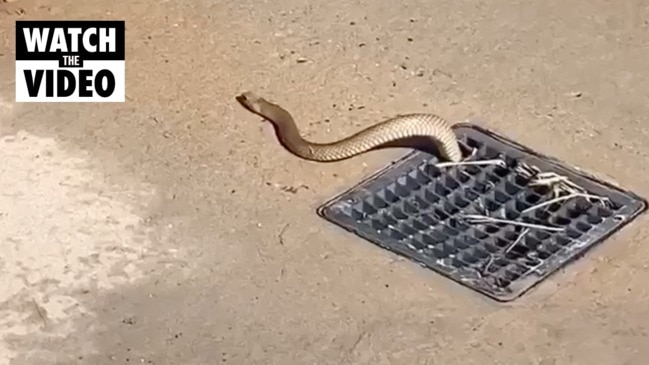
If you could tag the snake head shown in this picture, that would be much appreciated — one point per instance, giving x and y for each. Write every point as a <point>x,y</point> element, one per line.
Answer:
<point>250,101</point>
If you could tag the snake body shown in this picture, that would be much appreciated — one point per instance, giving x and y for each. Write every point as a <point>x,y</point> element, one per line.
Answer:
<point>393,129</point>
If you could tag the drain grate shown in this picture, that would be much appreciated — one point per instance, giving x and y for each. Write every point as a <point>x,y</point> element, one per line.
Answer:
<point>481,225</point>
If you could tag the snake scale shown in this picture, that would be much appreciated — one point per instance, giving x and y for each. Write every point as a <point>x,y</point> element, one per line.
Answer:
<point>393,129</point>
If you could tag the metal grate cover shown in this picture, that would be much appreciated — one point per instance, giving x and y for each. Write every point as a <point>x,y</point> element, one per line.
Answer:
<point>423,212</point>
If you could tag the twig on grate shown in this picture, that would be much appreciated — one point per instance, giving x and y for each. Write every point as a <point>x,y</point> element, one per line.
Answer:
<point>483,209</point>
<point>492,257</point>
<point>478,219</point>
<point>562,198</point>
<point>559,184</point>
<point>497,162</point>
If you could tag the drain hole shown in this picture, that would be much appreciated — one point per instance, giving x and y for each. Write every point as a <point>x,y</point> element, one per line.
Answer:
<point>479,234</point>
<point>460,244</point>
<point>573,234</point>
<point>541,214</point>
<point>511,235</point>
<point>583,227</point>
<point>388,196</point>
<point>419,225</point>
<point>389,220</point>
<point>451,183</point>
<point>511,215</point>
<point>407,183</point>
<point>492,179</point>
<point>450,231</point>
<point>532,198</point>
<point>491,229</point>
<point>541,190</point>
<point>542,235</point>
<point>457,224</point>
<point>420,178</point>
<point>472,169</point>
<point>548,249</point>
<point>357,215</point>
<point>409,208</point>
<point>399,190</point>
<point>417,245</point>
<point>573,214</point>
<point>399,214</point>
<point>470,194</point>
<point>378,225</point>
<point>554,207</point>
<point>603,212</point>
<point>562,240</point>
<point>521,206</point>
<point>407,229</point>
<point>521,181</point>
<point>582,204</point>
<point>442,251</point>
<point>491,205</point>
<point>470,240</point>
<point>531,242</point>
<point>458,201</point>
<point>461,176</point>
<point>561,221</point>
<point>430,197</point>
<point>420,203</point>
<point>615,206</point>
<point>543,255</point>
<point>441,190</point>
<point>468,257</point>
<point>473,143</point>
<point>450,209</point>
<point>379,203</point>
<point>480,253</point>
<point>500,171</point>
<point>593,219</point>
<point>438,237</point>
<point>367,208</point>
<point>510,188</point>
<point>500,197</point>
<point>432,171</point>
<point>480,187</point>
<point>395,234</point>
<point>440,214</point>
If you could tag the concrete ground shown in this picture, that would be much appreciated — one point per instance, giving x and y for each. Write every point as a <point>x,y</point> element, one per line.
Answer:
<point>174,229</point>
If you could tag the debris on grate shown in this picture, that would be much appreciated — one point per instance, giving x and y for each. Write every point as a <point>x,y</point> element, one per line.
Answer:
<point>498,228</point>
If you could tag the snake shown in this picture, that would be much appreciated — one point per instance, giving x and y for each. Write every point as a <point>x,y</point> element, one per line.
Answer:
<point>429,126</point>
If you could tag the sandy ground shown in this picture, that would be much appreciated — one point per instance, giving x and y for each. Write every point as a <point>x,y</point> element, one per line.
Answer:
<point>164,230</point>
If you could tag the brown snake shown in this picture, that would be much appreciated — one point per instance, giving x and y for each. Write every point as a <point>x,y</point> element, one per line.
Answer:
<point>393,129</point>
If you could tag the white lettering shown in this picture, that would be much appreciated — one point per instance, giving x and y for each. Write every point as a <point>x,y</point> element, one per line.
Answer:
<point>86,40</point>
<point>74,32</point>
<point>36,37</point>
<point>107,36</point>
<point>58,41</point>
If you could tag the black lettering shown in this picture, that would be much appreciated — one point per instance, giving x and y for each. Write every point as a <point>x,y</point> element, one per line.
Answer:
<point>65,83</point>
<point>33,82</point>
<point>85,83</point>
<point>49,83</point>
<point>110,83</point>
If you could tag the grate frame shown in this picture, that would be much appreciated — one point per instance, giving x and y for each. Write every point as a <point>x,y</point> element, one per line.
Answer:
<point>386,209</point>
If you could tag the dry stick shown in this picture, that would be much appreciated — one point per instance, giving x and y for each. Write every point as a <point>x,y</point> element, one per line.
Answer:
<point>557,182</point>
<point>477,219</point>
<point>498,162</point>
<point>561,198</point>
<point>509,248</point>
